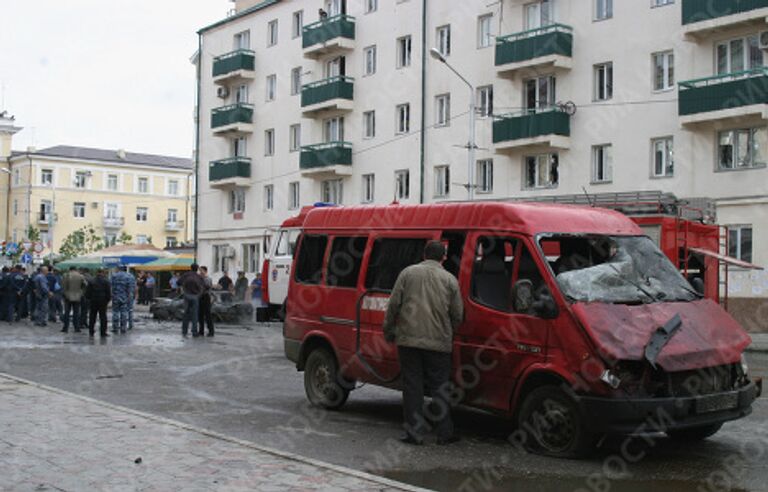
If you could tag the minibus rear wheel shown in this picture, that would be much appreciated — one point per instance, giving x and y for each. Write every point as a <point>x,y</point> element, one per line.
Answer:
<point>553,424</point>
<point>322,380</point>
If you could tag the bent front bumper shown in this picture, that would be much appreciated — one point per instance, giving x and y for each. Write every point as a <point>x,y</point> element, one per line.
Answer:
<point>644,415</point>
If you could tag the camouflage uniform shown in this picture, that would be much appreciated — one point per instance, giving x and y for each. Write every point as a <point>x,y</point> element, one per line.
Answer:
<point>123,292</point>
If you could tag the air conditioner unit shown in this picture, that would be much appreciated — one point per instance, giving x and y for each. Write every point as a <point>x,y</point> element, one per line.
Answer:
<point>94,204</point>
<point>764,40</point>
<point>222,92</point>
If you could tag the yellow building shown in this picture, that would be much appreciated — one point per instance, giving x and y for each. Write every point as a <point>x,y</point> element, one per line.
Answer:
<point>61,189</point>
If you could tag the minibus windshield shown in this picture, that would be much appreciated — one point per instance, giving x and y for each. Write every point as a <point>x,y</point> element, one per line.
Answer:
<point>614,269</point>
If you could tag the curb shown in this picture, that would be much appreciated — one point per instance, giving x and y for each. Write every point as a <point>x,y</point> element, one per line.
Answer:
<point>275,452</point>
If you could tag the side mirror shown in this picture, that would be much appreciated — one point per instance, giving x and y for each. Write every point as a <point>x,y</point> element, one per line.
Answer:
<point>546,307</point>
<point>698,285</point>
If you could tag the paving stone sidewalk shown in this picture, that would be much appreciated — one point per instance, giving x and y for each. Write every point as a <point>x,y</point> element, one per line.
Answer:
<point>54,440</point>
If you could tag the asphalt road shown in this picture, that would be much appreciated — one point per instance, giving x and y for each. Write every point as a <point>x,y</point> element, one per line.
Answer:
<point>239,383</point>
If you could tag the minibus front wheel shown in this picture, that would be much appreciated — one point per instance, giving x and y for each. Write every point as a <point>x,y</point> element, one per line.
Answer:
<point>553,425</point>
<point>322,382</point>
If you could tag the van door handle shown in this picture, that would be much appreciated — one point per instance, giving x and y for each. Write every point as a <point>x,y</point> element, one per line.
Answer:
<point>337,321</point>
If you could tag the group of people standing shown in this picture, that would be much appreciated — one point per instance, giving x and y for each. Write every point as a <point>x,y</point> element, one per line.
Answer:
<point>146,287</point>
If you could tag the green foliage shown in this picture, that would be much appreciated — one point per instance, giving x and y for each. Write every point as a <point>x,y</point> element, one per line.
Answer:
<point>80,242</point>
<point>33,234</point>
<point>124,238</point>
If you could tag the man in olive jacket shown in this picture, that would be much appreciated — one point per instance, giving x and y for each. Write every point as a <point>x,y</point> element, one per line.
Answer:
<point>73,285</point>
<point>425,308</point>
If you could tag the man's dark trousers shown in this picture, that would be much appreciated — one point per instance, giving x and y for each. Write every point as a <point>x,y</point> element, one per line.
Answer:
<point>420,368</point>
<point>75,308</point>
<point>99,308</point>
<point>205,316</point>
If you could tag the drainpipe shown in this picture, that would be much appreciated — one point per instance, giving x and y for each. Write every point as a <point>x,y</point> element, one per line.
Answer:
<point>8,212</point>
<point>197,136</point>
<point>29,196</point>
<point>422,143</point>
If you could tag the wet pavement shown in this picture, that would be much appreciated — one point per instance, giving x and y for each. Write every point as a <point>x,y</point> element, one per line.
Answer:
<point>239,384</point>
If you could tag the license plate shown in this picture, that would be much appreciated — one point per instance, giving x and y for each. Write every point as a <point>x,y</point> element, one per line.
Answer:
<point>715,403</point>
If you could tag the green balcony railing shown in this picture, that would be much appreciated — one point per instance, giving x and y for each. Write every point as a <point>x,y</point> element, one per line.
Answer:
<point>231,62</point>
<point>339,87</point>
<point>339,26</point>
<point>529,124</point>
<point>234,113</point>
<point>234,167</point>
<point>701,10</point>
<point>555,39</point>
<point>326,154</point>
<point>724,91</point>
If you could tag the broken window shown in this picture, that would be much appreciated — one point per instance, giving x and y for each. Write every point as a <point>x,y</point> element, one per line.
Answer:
<point>345,261</point>
<point>310,263</point>
<point>389,257</point>
<point>492,272</point>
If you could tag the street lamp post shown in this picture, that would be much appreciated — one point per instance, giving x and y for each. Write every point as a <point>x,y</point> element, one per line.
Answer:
<point>471,145</point>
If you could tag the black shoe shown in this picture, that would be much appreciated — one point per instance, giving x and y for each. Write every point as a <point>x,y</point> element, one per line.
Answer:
<point>78,330</point>
<point>103,335</point>
<point>409,439</point>
<point>64,330</point>
<point>444,441</point>
<point>210,334</point>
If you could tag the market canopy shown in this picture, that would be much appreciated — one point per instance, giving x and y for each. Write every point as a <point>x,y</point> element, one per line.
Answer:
<point>80,262</point>
<point>168,264</point>
<point>133,255</point>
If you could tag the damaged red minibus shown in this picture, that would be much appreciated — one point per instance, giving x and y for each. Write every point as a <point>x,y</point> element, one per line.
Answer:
<point>576,324</point>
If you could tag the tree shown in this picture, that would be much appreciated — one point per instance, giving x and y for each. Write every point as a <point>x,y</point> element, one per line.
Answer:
<point>80,242</point>
<point>124,238</point>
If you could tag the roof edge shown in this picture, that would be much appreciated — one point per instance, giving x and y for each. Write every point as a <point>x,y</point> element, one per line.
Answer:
<point>239,15</point>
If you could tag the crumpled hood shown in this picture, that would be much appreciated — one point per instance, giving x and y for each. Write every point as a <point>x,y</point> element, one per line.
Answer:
<point>709,336</point>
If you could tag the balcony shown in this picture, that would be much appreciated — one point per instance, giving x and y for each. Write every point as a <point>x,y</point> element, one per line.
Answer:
<point>550,46</point>
<point>44,219</point>
<point>701,18</point>
<point>174,225</point>
<point>331,35</point>
<point>225,173</point>
<point>235,119</point>
<point>332,158</point>
<point>331,94</point>
<point>727,96</point>
<point>233,67</point>
<point>114,222</point>
<point>549,128</point>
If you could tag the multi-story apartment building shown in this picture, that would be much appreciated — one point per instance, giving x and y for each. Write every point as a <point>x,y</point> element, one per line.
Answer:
<point>61,189</point>
<point>302,101</point>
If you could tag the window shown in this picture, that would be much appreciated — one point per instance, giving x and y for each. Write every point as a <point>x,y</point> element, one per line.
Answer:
<point>271,87</point>
<point>541,171</point>
<point>335,7</point>
<point>404,52</point>
<point>602,164</point>
<point>485,176</point>
<point>269,142</point>
<point>492,273</point>
<point>485,101</point>
<point>345,261</point>
<point>16,177</point>
<point>272,33</point>
<point>370,60</point>
<point>332,191</point>
<point>663,71</point>
<point>443,40</point>
<point>269,197</point>
<point>286,243</point>
<point>112,182</point>
<point>663,157</point>
<point>241,94</point>
<point>402,184</point>
<point>293,195</point>
<point>403,123</point>
<point>243,40</point>
<point>172,217</point>
<point>389,257</point>
<point>484,36</point>
<point>294,138</point>
<point>78,210</point>
<point>659,3</point>
<point>142,239</point>
<point>237,201</point>
<point>540,93</point>
<point>220,258</point>
<point>143,185</point>
<point>603,9</point>
<point>173,187</point>
<point>251,258</point>
<point>442,181</point>
<point>369,183</point>
<point>309,265</point>
<point>442,110</point>
<point>740,242</point>
<point>171,242</point>
<point>603,81</point>
<point>240,147</point>
<point>298,24</point>
<point>371,6</point>
<point>742,148</point>
<point>110,239</point>
<point>333,129</point>
<point>296,81</point>
<point>739,54</point>
<point>46,176</point>
<point>141,214</point>
<point>369,124</point>
<point>81,178</point>
<point>16,207</point>
<point>45,211</point>
<point>539,14</point>
<point>111,211</point>
<point>335,67</point>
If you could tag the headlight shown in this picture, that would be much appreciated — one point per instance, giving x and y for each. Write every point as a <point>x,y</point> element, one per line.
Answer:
<point>744,365</point>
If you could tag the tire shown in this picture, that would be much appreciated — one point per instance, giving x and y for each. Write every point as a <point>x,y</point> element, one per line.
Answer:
<point>322,380</point>
<point>553,424</point>
<point>281,311</point>
<point>692,434</point>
